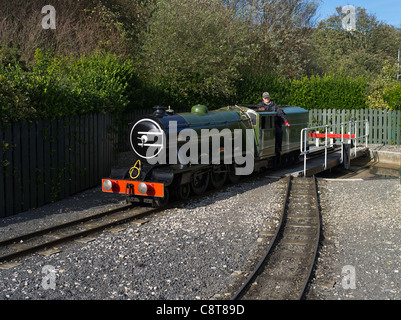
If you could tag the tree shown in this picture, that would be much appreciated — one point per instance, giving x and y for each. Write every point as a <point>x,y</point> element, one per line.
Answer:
<point>83,27</point>
<point>361,52</point>
<point>194,49</point>
<point>281,30</point>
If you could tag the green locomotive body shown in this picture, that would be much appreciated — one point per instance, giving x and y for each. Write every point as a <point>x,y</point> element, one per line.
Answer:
<point>191,151</point>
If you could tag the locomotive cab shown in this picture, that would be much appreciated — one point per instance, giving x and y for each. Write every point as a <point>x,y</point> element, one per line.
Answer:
<point>298,119</point>
<point>263,126</point>
<point>266,133</point>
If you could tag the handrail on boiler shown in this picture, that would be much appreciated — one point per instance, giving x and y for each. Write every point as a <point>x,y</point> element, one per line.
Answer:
<point>352,129</point>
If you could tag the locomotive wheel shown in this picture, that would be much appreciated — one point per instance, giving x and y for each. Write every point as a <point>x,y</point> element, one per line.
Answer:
<point>232,177</point>
<point>199,182</point>
<point>218,176</point>
<point>160,202</point>
<point>183,191</point>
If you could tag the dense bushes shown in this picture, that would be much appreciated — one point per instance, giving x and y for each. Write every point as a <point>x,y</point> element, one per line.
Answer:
<point>82,27</point>
<point>80,85</point>
<point>119,55</point>
<point>392,97</point>
<point>322,92</point>
<point>64,86</point>
<point>194,50</point>
<point>314,92</point>
<point>14,101</point>
<point>102,82</point>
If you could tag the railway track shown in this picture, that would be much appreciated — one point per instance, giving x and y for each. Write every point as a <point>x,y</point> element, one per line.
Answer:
<point>284,271</point>
<point>46,239</point>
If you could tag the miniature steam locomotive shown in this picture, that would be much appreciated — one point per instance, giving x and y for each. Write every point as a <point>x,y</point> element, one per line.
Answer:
<point>189,152</point>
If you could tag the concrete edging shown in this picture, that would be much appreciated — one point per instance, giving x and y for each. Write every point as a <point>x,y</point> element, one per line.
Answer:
<point>393,158</point>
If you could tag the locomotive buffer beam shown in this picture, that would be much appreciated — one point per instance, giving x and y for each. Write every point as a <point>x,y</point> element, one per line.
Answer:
<point>131,197</point>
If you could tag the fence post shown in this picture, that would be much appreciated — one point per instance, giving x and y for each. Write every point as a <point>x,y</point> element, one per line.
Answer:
<point>2,198</point>
<point>8,172</point>
<point>398,127</point>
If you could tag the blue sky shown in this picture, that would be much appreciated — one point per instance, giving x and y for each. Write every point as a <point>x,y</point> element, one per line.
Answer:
<point>388,11</point>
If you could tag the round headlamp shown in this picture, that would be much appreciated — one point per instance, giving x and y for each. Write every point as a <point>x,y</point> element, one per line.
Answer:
<point>107,185</point>
<point>142,188</point>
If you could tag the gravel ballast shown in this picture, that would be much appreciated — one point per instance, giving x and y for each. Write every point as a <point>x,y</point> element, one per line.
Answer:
<point>361,253</point>
<point>204,249</point>
<point>197,251</point>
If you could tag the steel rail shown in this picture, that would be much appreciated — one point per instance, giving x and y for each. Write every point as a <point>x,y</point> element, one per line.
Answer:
<point>57,227</point>
<point>275,242</point>
<point>80,223</point>
<point>317,242</point>
<point>74,235</point>
<point>252,276</point>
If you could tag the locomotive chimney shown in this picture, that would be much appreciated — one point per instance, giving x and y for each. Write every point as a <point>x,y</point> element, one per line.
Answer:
<point>160,111</point>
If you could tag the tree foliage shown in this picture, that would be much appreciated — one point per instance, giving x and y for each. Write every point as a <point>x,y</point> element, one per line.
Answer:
<point>281,29</point>
<point>362,52</point>
<point>116,55</point>
<point>195,49</point>
<point>82,26</point>
<point>64,86</point>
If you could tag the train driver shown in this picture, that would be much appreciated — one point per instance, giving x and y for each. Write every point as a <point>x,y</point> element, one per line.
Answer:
<point>268,105</point>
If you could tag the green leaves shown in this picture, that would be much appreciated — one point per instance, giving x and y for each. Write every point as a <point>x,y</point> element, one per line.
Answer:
<point>362,52</point>
<point>315,92</point>
<point>64,86</point>
<point>194,49</point>
<point>392,97</point>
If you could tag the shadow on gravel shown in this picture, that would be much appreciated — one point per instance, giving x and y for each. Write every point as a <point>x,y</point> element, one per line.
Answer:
<point>94,201</point>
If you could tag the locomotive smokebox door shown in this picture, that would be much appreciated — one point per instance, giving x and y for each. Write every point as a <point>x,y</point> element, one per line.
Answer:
<point>147,138</point>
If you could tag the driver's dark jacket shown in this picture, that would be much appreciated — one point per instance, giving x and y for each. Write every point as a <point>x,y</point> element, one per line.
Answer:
<point>271,106</point>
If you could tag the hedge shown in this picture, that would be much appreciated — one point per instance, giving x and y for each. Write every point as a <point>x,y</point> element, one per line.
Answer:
<point>392,97</point>
<point>315,92</point>
<point>56,87</point>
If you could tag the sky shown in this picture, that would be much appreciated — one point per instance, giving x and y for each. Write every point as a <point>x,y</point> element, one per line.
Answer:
<point>388,11</point>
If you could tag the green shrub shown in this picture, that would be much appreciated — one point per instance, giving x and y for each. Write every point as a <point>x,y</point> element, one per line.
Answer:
<point>69,86</point>
<point>392,97</point>
<point>64,86</point>
<point>14,98</point>
<point>58,86</point>
<point>313,92</point>
<point>335,92</point>
<point>14,101</point>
